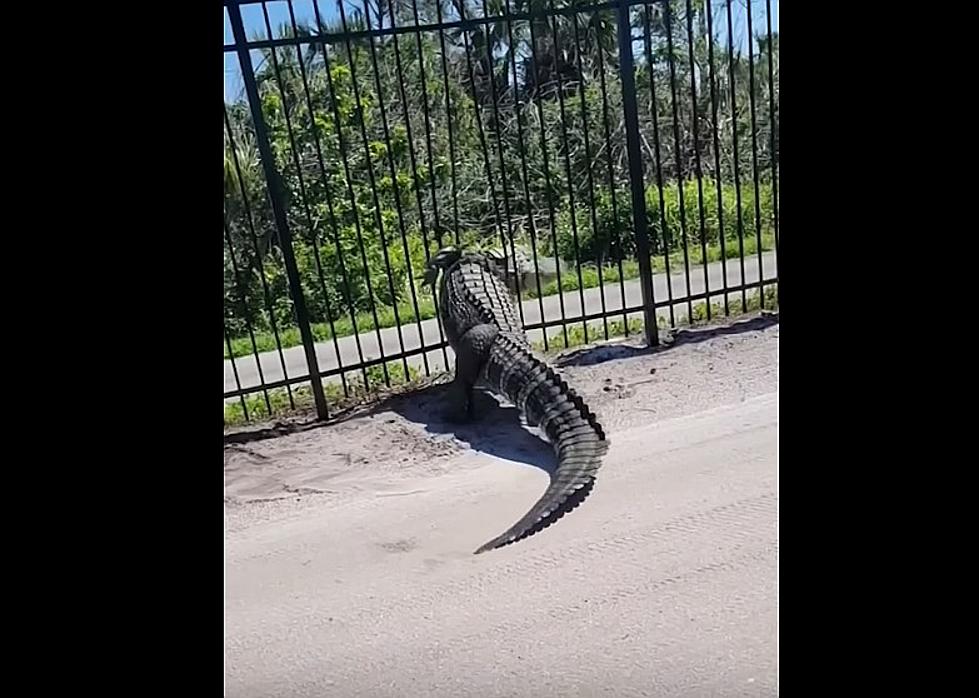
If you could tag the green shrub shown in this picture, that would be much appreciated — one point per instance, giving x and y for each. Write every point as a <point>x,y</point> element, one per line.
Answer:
<point>614,238</point>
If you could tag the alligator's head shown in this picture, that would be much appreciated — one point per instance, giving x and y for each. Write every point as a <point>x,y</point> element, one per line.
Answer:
<point>501,260</point>
<point>443,259</point>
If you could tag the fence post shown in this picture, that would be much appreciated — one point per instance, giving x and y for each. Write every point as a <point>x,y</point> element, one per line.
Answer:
<point>277,198</point>
<point>626,73</point>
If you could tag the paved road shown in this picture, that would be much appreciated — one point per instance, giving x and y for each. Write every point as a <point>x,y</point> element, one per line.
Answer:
<point>663,583</point>
<point>295,360</point>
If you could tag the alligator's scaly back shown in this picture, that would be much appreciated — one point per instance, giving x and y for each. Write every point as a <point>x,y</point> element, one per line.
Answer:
<point>473,292</point>
<point>491,348</point>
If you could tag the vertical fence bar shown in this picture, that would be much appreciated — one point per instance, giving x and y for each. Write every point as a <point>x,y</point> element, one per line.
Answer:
<point>754,154</point>
<point>428,145</point>
<point>276,197</point>
<point>657,151</point>
<point>499,151</point>
<point>771,118</point>
<point>259,263</point>
<point>538,98</point>
<point>449,114</point>
<point>613,185</point>
<point>234,370</point>
<point>697,162</point>
<point>521,147</point>
<point>417,183</point>
<point>717,153</point>
<point>736,155</point>
<point>631,114</point>
<point>324,181</point>
<point>678,158</point>
<point>397,205</point>
<point>240,288</point>
<point>590,176</point>
<point>481,132</point>
<point>378,217</point>
<point>572,206</point>
<point>345,162</point>
<point>297,163</point>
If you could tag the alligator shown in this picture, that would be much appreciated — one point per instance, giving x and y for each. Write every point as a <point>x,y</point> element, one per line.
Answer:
<point>492,351</point>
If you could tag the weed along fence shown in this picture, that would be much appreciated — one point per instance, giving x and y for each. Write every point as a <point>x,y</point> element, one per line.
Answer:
<point>622,156</point>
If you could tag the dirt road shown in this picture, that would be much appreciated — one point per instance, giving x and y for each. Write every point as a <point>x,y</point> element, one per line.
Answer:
<point>349,548</point>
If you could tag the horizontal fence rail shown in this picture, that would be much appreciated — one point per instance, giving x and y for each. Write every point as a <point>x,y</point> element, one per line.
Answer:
<point>622,156</point>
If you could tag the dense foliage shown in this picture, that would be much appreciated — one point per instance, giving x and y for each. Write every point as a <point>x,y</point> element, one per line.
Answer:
<point>389,146</point>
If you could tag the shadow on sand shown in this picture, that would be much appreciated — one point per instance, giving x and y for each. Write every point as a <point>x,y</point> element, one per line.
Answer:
<point>591,356</point>
<point>497,430</point>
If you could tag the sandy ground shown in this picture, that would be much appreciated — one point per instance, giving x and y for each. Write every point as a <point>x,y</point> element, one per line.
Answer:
<point>349,565</point>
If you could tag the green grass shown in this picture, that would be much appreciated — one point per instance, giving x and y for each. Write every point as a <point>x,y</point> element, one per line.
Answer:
<point>234,413</point>
<point>714,253</point>
<point>576,334</point>
<point>616,328</point>
<point>289,337</point>
<point>302,395</point>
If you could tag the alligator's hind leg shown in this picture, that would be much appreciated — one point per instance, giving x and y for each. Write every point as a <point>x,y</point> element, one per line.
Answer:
<point>471,355</point>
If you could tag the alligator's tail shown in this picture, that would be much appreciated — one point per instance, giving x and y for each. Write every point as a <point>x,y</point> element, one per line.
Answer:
<point>547,401</point>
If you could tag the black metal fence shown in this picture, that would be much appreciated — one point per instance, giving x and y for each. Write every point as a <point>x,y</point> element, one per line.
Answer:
<point>622,155</point>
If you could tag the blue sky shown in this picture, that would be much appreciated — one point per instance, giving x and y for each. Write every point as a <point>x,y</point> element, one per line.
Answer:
<point>254,22</point>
